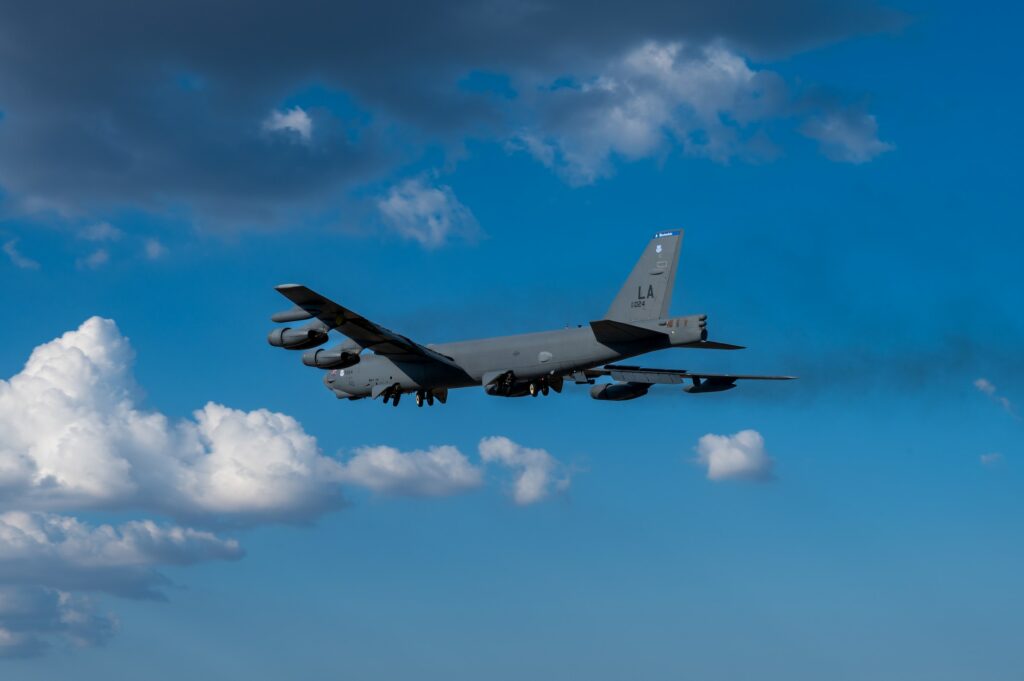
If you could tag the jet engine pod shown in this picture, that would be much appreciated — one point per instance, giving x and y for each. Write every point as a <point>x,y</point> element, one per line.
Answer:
<point>335,358</point>
<point>297,339</point>
<point>617,392</point>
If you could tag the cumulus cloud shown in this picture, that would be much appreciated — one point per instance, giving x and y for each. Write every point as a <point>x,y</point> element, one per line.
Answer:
<point>33,617</point>
<point>987,387</point>
<point>427,214</point>
<point>438,471</point>
<point>537,472</point>
<point>73,437</point>
<point>19,260</point>
<point>294,120</point>
<point>846,135</point>
<point>735,457</point>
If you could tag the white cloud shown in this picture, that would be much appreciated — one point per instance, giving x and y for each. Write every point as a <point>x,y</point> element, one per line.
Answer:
<point>708,101</point>
<point>294,120</point>
<point>72,437</point>
<point>738,456</point>
<point>701,99</point>
<point>539,473</point>
<point>19,260</point>
<point>438,471</point>
<point>430,215</point>
<point>94,260</point>
<point>849,136</point>
<point>154,249</point>
<point>32,617</point>
<point>62,552</point>
<point>986,386</point>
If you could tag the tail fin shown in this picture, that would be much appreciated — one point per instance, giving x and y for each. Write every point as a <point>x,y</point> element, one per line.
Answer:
<point>647,293</point>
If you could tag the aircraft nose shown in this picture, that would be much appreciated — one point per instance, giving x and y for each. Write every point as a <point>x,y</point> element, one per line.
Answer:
<point>329,378</point>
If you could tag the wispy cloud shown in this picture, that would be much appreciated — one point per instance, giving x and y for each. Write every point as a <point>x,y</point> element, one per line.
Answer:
<point>62,552</point>
<point>154,249</point>
<point>987,387</point>
<point>100,231</point>
<point>19,260</point>
<point>94,260</point>
<point>846,135</point>
<point>428,214</point>
<point>991,459</point>
<point>33,618</point>
<point>294,120</point>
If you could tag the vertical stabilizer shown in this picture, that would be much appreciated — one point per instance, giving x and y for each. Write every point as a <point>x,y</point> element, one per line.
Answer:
<point>647,294</point>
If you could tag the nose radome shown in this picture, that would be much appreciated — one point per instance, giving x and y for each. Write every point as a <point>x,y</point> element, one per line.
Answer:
<point>329,378</point>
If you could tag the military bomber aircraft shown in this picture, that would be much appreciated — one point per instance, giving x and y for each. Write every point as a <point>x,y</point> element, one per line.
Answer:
<point>511,366</point>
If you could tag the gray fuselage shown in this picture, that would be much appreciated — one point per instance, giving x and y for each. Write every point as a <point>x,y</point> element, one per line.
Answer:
<point>520,359</point>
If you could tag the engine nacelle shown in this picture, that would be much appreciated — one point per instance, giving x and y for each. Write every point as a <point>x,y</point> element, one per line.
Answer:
<point>618,392</point>
<point>298,339</point>
<point>335,358</point>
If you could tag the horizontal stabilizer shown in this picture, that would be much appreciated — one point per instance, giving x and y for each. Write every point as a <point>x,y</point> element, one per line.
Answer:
<point>611,331</point>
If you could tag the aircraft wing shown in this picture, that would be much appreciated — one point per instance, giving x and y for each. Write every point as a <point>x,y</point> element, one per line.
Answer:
<point>701,382</point>
<point>360,329</point>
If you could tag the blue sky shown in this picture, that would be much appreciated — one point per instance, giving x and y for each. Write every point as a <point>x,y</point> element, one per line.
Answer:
<point>845,174</point>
